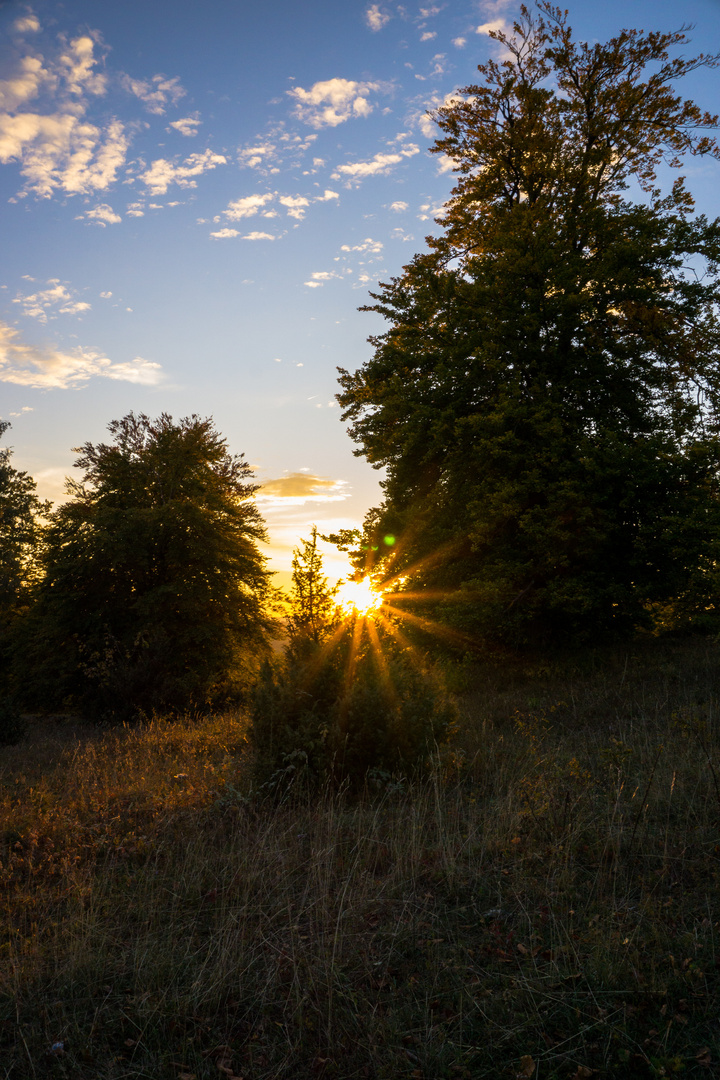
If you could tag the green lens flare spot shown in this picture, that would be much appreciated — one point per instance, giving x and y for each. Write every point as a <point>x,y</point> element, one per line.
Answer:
<point>389,540</point>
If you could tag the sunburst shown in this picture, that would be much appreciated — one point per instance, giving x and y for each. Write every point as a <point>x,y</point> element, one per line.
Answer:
<point>359,597</point>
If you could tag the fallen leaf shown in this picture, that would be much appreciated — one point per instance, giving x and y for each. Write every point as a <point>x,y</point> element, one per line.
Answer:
<point>527,1067</point>
<point>703,1056</point>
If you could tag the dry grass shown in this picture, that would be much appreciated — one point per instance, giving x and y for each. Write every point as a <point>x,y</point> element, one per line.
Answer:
<point>546,905</point>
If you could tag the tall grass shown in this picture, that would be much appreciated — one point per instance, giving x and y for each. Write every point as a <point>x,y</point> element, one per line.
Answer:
<point>545,904</point>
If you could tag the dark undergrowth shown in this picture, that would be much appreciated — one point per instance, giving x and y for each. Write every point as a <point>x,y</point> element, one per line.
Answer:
<point>545,904</point>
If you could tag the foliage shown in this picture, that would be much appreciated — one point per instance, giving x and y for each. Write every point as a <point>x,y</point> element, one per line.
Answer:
<point>313,610</point>
<point>546,399</point>
<point>154,585</point>
<point>20,514</point>
<point>342,700</point>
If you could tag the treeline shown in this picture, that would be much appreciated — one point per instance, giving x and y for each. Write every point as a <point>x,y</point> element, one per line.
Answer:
<point>146,590</point>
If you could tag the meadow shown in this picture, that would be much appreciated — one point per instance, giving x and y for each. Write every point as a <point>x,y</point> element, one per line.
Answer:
<point>544,903</point>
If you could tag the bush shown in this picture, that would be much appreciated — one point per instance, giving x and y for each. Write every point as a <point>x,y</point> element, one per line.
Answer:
<point>339,710</point>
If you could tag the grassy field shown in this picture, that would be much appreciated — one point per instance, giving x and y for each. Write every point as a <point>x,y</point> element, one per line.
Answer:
<point>545,904</point>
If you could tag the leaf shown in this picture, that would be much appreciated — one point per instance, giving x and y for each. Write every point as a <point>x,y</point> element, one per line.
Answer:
<point>527,1067</point>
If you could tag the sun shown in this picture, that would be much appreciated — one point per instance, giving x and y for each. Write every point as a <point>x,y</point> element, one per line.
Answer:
<point>359,597</point>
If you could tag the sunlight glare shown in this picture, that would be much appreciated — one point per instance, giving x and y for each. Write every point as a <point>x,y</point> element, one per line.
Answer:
<point>359,596</point>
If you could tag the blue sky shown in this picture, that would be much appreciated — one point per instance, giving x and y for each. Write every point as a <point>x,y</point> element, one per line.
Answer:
<point>197,198</point>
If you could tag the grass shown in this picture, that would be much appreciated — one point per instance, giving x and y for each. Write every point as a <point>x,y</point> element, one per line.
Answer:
<point>544,905</point>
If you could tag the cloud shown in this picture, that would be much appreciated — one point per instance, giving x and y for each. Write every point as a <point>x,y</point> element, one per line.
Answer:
<point>155,93</point>
<point>298,488</point>
<point>57,300</point>
<point>368,246</point>
<point>259,236</point>
<point>187,126</point>
<point>252,157</point>
<point>375,18</point>
<point>427,13</point>
<point>318,278</point>
<point>428,35</point>
<point>379,165</point>
<point>332,102</point>
<point>295,204</point>
<point>26,24</point>
<point>327,196</point>
<point>106,295</point>
<point>459,42</point>
<point>492,27</point>
<point>398,206</point>
<point>225,234</point>
<point>248,206</point>
<point>49,368</point>
<point>162,172</point>
<point>43,125</point>
<point>101,215</point>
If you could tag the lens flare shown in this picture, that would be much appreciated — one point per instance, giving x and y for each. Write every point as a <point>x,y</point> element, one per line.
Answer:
<point>359,597</point>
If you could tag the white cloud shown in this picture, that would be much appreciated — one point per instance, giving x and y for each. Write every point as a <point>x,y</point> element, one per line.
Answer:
<point>459,42</point>
<point>428,35</point>
<point>57,300</point>
<point>295,204</point>
<point>259,236</point>
<point>492,27</point>
<point>327,196</point>
<point>26,24</point>
<point>136,209</point>
<point>101,215</point>
<point>332,102</point>
<point>427,13</point>
<point>318,278</point>
<point>252,157</point>
<point>106,295</point>
<point>375,18</point>
<point>50,368</point>
<point>381,164</point>
<point>248,206</point>
<point>155,93</point>
<point>162,172</point>
<point>225,234</point>
<point>187,126</point>
<point>369,246</point>
<point>398,206</point>
<point>445,164</point>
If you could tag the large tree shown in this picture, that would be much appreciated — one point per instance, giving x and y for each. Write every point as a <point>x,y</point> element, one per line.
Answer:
<point>545,401</point>
<point>21,512</point>
<point>154,587</point>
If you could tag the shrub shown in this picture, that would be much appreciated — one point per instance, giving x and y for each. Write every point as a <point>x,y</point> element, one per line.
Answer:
<point>338,710</point>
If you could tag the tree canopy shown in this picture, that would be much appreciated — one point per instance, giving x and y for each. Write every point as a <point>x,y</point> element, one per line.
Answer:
<point>545,400</point>
<point>154,586</point>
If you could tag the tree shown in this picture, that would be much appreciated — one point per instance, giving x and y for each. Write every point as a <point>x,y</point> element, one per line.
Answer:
<point>312,601</point>
<point>20,514</point>
<point>154,587</point>
<point>545,402</point>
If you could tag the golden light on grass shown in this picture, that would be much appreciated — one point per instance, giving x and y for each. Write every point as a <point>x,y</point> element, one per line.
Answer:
<point>359,597</point>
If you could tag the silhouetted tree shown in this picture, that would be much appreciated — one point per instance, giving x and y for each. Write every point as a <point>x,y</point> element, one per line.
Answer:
<point>154,588</point>
<point>545,401</point>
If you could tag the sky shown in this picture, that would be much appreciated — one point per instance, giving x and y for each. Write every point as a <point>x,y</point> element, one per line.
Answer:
<point>195,200</point>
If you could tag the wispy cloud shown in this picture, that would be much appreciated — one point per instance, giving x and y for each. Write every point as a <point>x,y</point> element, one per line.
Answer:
<point>51,302</point>
<point>155,93</point>
<point>162,172</point>
<point>188,126</point>
<point>43,125</point>
<point>51,368</point>
<point>248,206</point>
<point>379,165</point>
<point>298,488</point>
<point>26,24</point>
<point>492,27</point>
<point>101,215</point>
<point>332,102</point>
<point>375,18</point>
<point>295,205</point>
